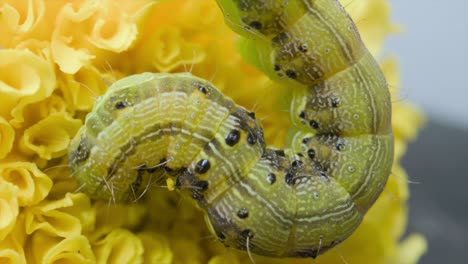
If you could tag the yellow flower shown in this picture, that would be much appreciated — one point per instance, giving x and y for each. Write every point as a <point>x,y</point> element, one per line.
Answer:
<point>57,57</point>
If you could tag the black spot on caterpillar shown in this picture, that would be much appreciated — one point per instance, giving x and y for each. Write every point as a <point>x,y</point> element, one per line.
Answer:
<point>297,202</point>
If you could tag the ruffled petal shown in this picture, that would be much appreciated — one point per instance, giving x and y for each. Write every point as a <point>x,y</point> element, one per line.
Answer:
<point>156,248</point>
<point>66,217</point>
<point>32,184</point>
<point>221,259</point>
<point>407,120</point>
<point>112,216</point>
<point>86,28</point>
<point>11,251</point>
<point>116,27</point>
<point>166,50</point>
<point>9,208</point>
<point>193,253</point>
<point>25,78</point>
<point>7,137</point>
<point>82,89</point>
<point>119,246</point>
<point>50,137</point>
<point>69,50</point>
<point>36,112</point>
<point>410,250</point>
<point>18,19</point>
<point>51,249</point>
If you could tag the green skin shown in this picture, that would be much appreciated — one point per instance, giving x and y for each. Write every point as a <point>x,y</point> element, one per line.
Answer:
<point>293,203</point>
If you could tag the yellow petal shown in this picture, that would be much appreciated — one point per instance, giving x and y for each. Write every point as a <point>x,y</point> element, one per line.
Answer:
<point>193,254</point>
<point>68,49</point>
<point>66,217</point>
<point>50,249</point>
<point>19,18</point>
<point>410,250</point>
<point>119,246</point>
<point>82,89</point>
<point>11,251</point>
<point>407,120</point>
<point>50,137</point>
<point>25,78</point>
<point>156,248</point>
<point>33,185</point>
<point>112,216</point>
<point>9,208</point>
<point>7,137</point>
<point>166,50</point>
<point>221,259</point>
<point>116,26</point>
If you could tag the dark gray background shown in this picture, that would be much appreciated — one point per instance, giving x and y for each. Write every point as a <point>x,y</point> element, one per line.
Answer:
<point>439,203</point>
<point>434,61</point>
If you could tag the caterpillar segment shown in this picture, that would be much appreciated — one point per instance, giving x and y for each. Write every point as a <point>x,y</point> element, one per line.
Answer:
<point>296,202</point>
<point>341,105</point>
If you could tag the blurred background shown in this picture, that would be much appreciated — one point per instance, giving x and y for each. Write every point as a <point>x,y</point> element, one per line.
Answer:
<point>433,52</point>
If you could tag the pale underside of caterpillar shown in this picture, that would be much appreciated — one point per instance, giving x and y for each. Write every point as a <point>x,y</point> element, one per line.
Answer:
<point>296,202</point>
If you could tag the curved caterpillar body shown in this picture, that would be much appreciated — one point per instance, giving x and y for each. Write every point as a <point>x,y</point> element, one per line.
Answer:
<point>292,203</point>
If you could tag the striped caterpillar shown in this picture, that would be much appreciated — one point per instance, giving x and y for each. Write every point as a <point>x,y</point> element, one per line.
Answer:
<point>296,202</point>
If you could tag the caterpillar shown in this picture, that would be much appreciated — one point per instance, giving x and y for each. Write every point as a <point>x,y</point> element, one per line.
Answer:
<point>296,202</point>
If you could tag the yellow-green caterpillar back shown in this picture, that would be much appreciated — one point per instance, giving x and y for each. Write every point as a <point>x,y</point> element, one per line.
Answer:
<point>299,201</point>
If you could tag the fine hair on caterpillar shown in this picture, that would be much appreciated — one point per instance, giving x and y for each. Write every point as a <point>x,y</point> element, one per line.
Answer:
<point>296,202</point>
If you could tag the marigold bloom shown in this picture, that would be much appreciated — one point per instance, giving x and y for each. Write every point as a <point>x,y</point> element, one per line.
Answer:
<point>57,57</point>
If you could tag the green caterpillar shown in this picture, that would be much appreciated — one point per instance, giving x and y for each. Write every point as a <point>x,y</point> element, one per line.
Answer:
<point>297,202</point>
